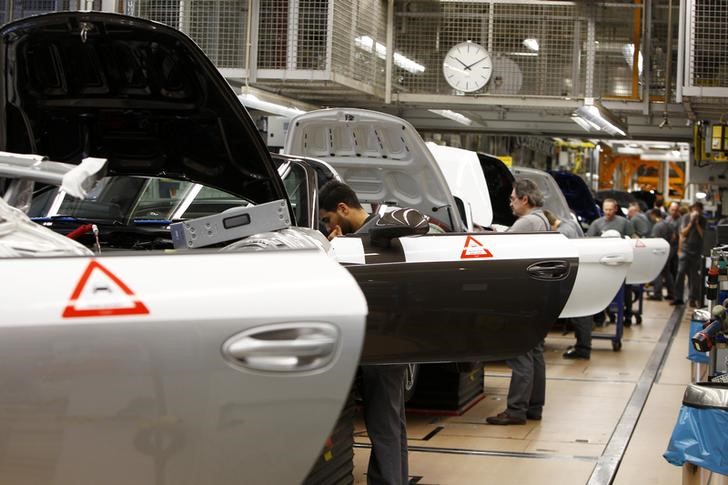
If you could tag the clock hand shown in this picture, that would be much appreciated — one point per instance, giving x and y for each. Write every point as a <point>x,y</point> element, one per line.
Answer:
<point>474,63</point>
<point>461,62</point>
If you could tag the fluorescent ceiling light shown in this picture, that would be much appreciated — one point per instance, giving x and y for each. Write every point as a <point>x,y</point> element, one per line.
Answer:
<point>599,118</point>
<point>629,151</point>
<point>531,43</point>
<point>368,44</point>
<point>446,113</point>
<point>253,102</point>
<point>583,123</point>
<point>522,54</point>
<point>701,195</point>
<point>662,157</point>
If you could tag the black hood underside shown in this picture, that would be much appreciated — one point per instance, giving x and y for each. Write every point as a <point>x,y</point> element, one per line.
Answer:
<point>139,93</point>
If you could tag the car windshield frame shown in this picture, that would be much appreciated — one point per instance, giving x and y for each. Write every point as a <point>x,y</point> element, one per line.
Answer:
<point>139,200</point>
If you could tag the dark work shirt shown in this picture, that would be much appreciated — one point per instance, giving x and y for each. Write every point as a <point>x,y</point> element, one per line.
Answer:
<point>693,242</point>
<point>665,230</point>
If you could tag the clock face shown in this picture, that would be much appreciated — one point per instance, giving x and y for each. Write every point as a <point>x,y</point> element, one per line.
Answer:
<point>467,67</point>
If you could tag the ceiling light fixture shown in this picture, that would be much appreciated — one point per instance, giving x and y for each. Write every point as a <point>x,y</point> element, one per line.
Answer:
<point>531,44</point>
<point>598,118</point>
<point>588,127</point>
<point>253,102</point>
<point>368,44</point>
<point>446,113</point>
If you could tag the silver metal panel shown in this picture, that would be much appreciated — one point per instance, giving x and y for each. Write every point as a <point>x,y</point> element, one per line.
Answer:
<point>150,398</point>
<point>230,225</point>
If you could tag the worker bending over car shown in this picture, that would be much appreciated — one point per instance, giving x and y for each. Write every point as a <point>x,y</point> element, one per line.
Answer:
<point>382,386</point>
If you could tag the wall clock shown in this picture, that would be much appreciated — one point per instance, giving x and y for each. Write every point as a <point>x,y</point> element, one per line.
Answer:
<point>467,67</point>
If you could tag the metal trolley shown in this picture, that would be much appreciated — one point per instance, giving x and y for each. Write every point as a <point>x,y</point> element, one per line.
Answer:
<point>616,310</point>
<point>621,311</point>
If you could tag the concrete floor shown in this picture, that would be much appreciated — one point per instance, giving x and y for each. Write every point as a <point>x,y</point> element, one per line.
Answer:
<point>584,403</point>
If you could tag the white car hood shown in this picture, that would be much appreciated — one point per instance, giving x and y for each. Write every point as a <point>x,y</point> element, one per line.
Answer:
<point>380,156</point>
<point>465,178</point>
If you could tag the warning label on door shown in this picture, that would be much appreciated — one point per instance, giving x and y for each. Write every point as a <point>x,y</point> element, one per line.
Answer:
<point>101,293</point>
<point>639,244</point>
<point>474,249</point>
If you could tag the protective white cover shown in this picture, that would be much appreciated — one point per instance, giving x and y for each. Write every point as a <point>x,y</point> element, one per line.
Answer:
<point>603,266</point>
<point>465,178</point>
<point>650,255</point>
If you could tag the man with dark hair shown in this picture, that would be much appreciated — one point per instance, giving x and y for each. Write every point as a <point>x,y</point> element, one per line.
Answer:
<point>692,229</point>
<point>527,390</point>
<point>340,210</point>
<point>382,386</point>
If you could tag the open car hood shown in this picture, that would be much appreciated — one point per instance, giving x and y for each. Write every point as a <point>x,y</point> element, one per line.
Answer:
<point>554,199</point>
<point>464,175</point>
<point>380,156</point>
<point>138,93</point>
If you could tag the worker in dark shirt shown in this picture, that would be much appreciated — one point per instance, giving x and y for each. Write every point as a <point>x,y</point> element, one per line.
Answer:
<point>382,386</point>
<point>692,230</point>
<point>666,231</point>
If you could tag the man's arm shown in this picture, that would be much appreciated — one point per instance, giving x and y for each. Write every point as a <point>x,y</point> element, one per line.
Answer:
<point>593,229</point>
<point>629,228</point>
<point>685,227</point>
<point>699,225</point>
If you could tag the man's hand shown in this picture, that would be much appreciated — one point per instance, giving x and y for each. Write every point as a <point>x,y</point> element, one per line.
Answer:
<point>335,232</point>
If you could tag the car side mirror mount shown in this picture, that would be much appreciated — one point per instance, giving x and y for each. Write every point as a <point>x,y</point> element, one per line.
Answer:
<point>397,223</point>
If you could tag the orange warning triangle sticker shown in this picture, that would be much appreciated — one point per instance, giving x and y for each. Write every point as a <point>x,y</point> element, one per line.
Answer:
<point>639,243</point>
<point>474,249</point>
<point>100,293</point>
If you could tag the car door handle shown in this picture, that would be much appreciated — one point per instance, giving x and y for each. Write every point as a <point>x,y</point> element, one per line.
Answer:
<point>613,260</point>
<point>548,270</point>
<point>659,251</point>
<point>283,347</point>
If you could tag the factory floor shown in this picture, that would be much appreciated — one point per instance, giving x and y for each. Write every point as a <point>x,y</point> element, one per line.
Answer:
<point>607,418</point>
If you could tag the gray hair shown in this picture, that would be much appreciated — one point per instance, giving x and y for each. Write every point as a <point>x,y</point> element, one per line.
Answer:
<point>526,188</point>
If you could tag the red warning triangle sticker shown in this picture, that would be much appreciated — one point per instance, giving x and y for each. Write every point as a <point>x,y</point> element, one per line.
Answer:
<point>100,293</point>
<point>474,249</point>
<point>639,244</point>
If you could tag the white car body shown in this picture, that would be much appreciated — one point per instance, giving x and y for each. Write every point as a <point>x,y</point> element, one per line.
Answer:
<point>381,155</point>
